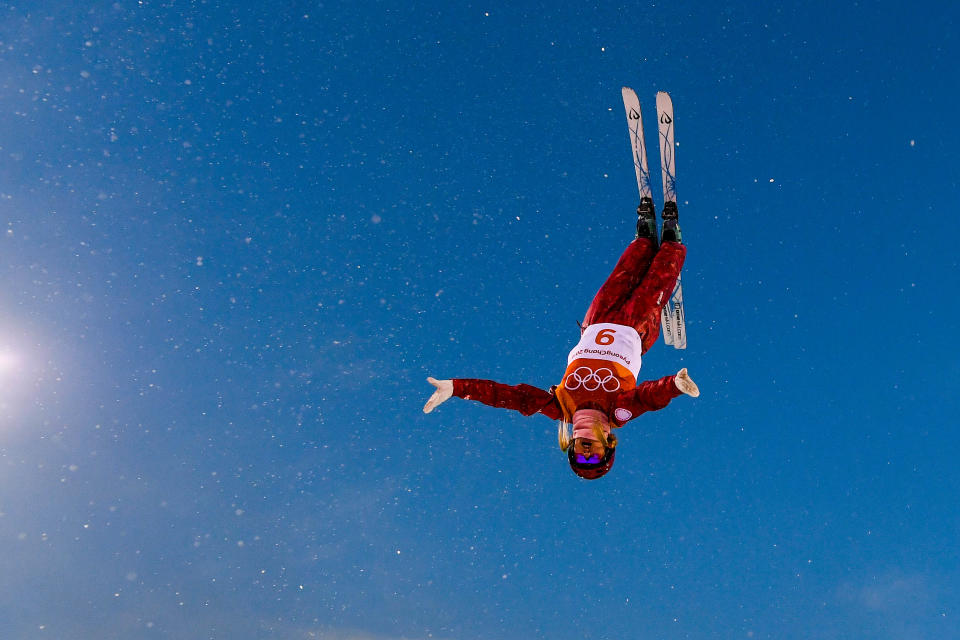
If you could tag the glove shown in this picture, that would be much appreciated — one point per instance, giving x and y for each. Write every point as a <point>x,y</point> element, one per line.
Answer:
<point>442,394</point>
<point>685,384</point>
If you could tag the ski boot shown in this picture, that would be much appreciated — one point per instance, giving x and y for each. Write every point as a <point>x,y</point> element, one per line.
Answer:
<point>646,220</point>
<point>671,224</point>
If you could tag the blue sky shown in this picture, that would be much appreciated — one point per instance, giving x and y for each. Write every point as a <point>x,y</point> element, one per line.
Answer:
<point>238,237</point>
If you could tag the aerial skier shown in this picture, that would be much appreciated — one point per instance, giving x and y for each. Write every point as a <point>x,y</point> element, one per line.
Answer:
<point>599,390</point>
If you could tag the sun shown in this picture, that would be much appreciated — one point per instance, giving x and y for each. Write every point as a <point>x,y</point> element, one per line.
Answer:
<point>9,361</point>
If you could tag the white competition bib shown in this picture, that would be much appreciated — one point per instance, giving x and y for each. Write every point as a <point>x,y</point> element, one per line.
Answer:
<point>613,342</point>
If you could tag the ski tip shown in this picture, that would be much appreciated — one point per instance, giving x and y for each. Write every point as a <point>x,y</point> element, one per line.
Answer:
<point>627,91</point>
<point>664,98</point>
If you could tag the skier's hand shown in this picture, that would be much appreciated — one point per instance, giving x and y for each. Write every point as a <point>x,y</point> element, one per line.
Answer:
<point>685,384</point>
<point>441,395</point>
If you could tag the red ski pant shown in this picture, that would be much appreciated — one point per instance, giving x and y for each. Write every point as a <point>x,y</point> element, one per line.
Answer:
<point>639,286</point>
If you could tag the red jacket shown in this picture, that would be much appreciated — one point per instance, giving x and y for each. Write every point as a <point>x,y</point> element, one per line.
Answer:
<point>622,323</point>
<point>621,406</point>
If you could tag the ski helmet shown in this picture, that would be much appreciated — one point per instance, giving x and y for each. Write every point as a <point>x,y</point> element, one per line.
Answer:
<point>588,468</point>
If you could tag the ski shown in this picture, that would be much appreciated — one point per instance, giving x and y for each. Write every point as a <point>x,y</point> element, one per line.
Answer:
<point>646,211</point>
<point>672,315</point>
<point>631,105</point>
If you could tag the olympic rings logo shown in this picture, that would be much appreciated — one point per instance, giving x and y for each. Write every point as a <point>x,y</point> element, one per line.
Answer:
<point>590,380</point>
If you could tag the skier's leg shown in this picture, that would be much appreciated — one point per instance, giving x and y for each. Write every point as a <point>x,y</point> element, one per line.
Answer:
<point>642,309</point>
<point>626,276</point>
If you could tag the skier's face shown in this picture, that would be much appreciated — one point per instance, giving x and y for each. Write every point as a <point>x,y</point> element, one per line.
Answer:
<point>588,448</point>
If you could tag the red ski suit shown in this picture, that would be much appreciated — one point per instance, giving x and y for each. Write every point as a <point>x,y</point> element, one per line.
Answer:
<point>631,299</point>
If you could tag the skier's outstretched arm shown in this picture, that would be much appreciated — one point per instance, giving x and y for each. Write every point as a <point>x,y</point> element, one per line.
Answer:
<point>653,395</point>
<point>524,398</point>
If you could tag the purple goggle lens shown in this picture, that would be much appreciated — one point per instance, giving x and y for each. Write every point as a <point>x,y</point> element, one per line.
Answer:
<point>591,459</point>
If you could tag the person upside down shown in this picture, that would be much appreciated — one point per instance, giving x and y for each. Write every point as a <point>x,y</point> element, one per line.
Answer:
<point>599,390</point>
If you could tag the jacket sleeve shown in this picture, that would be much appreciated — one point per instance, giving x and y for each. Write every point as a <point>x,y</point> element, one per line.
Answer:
<point>524,398</point>
<point>651,395</point>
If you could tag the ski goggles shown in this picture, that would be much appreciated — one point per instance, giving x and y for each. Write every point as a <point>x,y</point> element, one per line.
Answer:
<point>593,458</point>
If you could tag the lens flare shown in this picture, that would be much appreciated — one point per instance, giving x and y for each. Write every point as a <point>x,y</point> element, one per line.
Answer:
<point>9,361</point>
